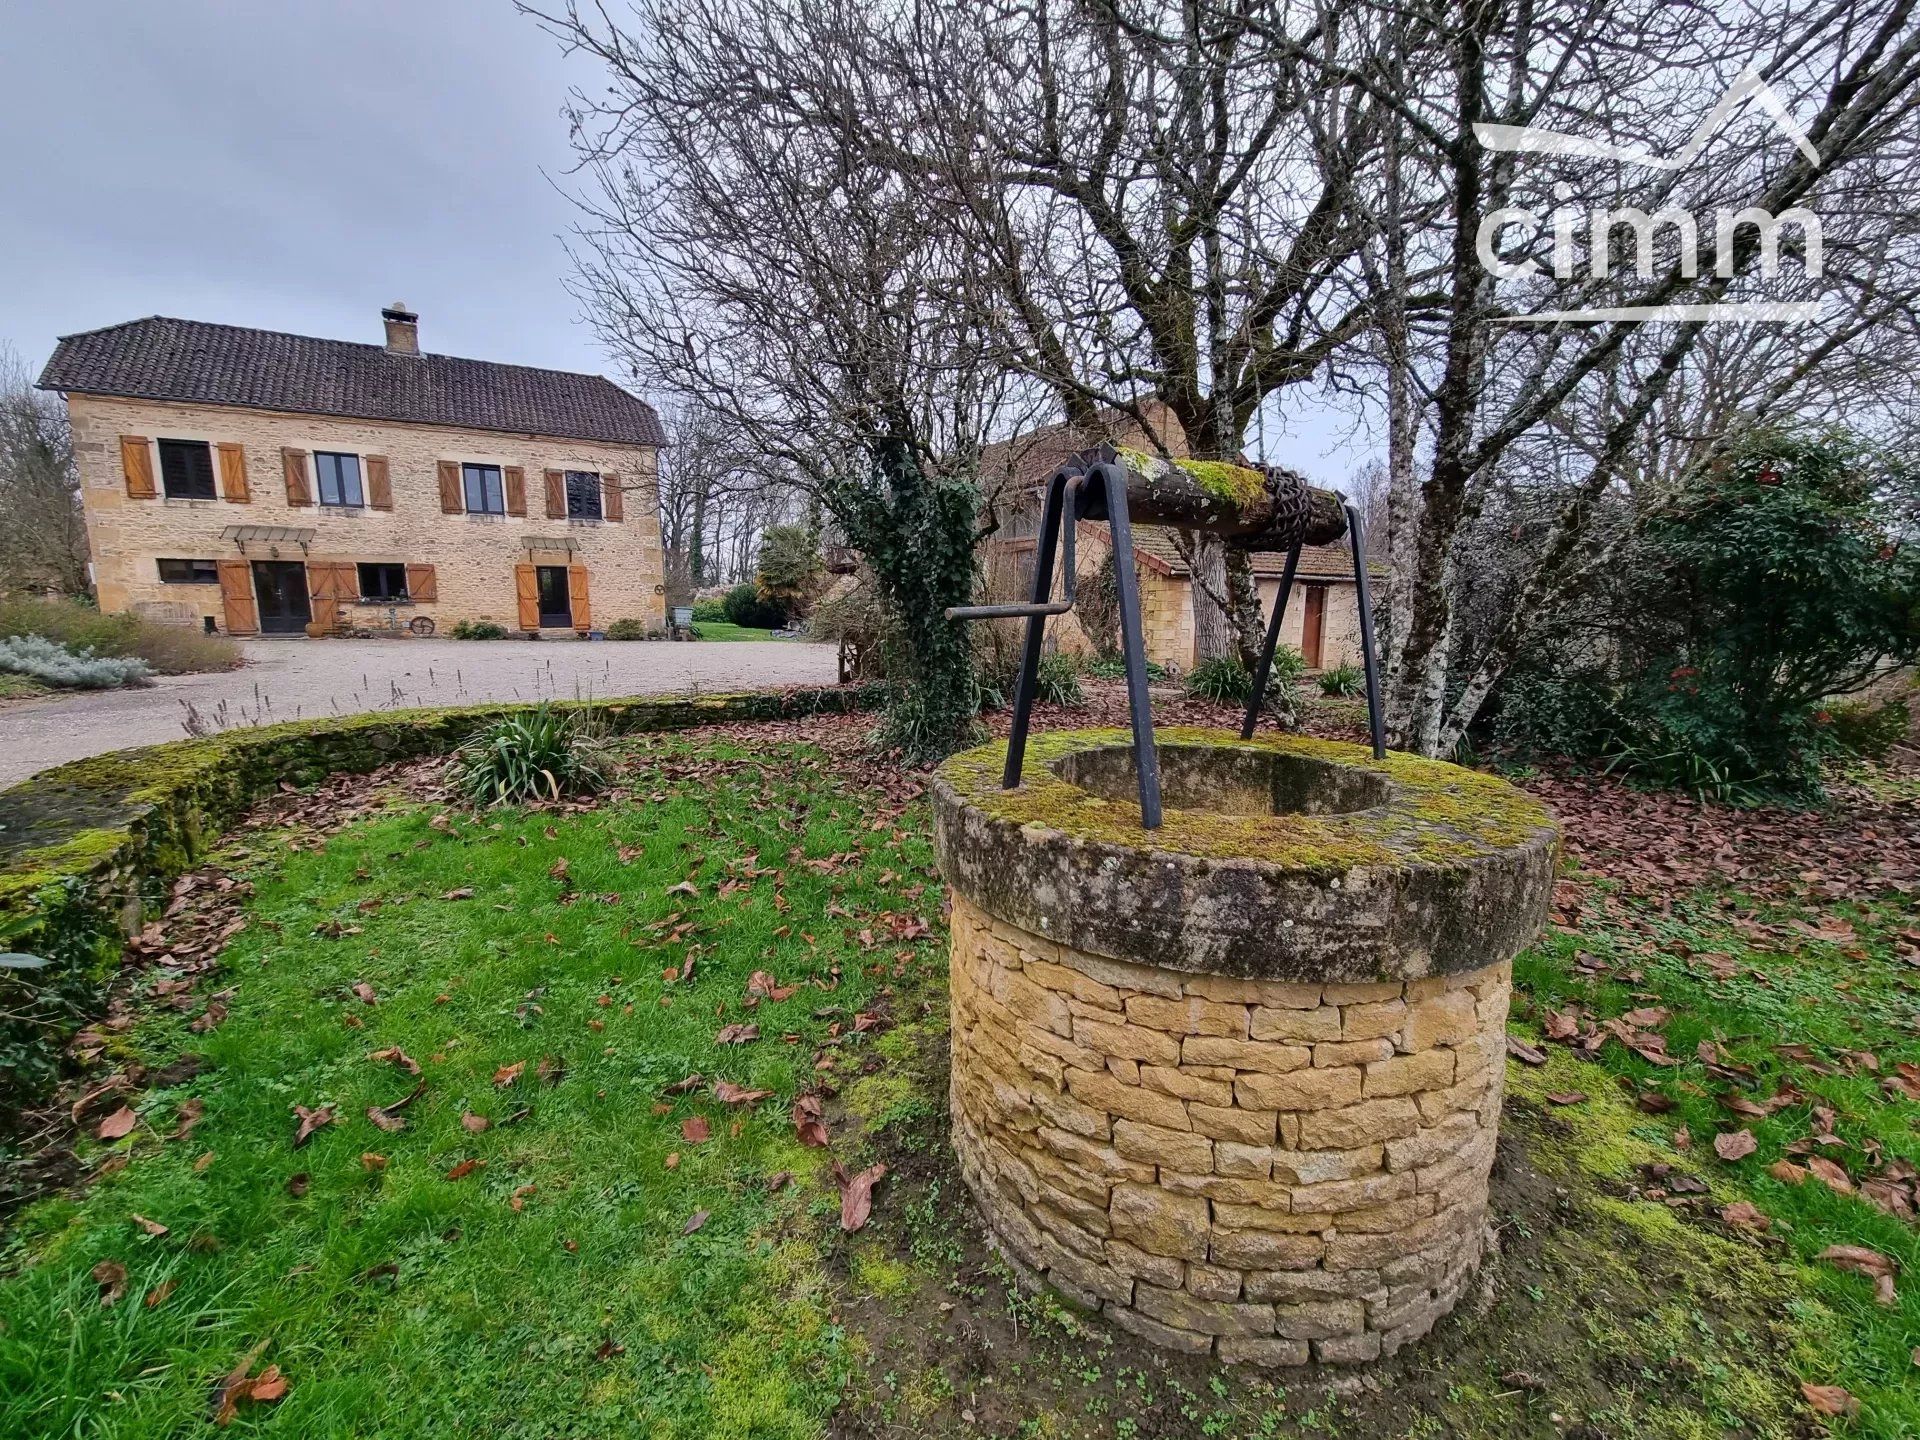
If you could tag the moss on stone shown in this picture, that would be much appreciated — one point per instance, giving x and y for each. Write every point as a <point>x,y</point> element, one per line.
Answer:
<point>1441,813</point>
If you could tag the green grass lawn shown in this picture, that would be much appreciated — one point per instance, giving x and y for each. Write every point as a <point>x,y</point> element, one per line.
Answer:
<point>727,630</point>
<point>585,1265</point>
<point>1792,1024</point>
<point>552,1289</point>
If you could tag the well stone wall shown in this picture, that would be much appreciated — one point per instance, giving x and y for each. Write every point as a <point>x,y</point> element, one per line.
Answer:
<point>1274,1171</point>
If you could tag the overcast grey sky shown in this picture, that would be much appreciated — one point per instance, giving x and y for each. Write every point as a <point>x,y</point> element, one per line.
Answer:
<point>295,166</point>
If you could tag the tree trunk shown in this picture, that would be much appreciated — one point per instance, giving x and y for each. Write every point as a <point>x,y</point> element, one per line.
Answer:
<point>1249,625</point>
<point>1212,632</point>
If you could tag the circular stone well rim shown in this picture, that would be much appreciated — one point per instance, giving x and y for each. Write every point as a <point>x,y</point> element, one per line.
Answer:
<point>1449,875</point>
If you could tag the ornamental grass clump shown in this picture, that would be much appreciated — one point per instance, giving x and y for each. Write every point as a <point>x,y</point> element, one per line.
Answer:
<point>543,754</point>
<point>53,664</point>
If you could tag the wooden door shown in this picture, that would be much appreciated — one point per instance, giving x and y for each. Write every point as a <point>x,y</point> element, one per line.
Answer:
<point>577,607</point>
<point>236,597</point>
<point>1313,625</point>
<point>526,585</point>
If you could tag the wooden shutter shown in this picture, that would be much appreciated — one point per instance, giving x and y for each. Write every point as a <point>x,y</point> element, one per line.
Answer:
<point>236,597</point>
<point>379,483</point>
<point>421,584</point>
<point>612,502</point>
<point>556,495</point>
<point>233,472</point>
<point>136,463</point>
<point>526,584</point>
<point>577,597</point>
<point>294,463</point>
<point>450,499</point>
<point>516,490</point>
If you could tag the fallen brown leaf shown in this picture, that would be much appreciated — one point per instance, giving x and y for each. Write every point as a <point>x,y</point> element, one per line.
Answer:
<point>728,1093</point>
<point>111,1277</point>
<point>694,1129</point>
<point>158,1295</point>
<point>1744,1215</point>
<point>1878,1268</point>
<point>1734,1145</point>
<point>507,1074</point>
<point>856,1197</point>
<point>1566,1097</point>
<point>119,1123</point>
<point>695,1221</point>
<point>152,1227</point>
<point>1830,1399</point>
<point>464,1169</point>
<point>310,1121</point>
<point>473,1124</point>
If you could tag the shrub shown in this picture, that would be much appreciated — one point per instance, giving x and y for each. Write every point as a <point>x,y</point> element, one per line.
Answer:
<point>709,612</point>
<point>744,607</point>
<point>1343,681</point>
<point>45,997</point>
<point>789,571</point>
<point>1225,681</point>
<point>41,659</point>
<point>1112,667</point>
<point>540,755</point>
<point>1861,728</point>
<point>167,649</point>
<point>1743,605</point>
<point>627,628</point>
<point>477,630</point>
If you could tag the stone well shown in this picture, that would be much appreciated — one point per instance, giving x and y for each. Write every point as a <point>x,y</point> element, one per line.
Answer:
<point>1235,1083</point>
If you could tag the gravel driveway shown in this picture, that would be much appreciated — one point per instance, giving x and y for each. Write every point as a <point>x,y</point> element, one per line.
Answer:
<point>292,679</point>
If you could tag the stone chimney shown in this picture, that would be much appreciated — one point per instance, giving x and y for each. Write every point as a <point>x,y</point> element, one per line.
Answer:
<point>403,329</point>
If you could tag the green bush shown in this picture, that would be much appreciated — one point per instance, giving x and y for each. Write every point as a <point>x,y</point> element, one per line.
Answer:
<point>41,659</point>
<point>1343,681</point>
<point>477,630</point>
<point>1112,667</point>
<point>744,607</point>
<point>540,755</point>
<point>1858,727</point>
<point>709,612</point>
<point>1735,614</point>
<point>1225,681</point>
<point>628,628</point>
<point>166,649</point>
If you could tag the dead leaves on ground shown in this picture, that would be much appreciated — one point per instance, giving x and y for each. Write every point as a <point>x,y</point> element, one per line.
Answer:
<point>310,1121</point>
<point>856,1194</point>
<point>1881,1269</point>
<point>240,1386</point>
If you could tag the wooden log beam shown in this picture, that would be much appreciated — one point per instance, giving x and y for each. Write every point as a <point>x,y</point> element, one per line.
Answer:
<point>1232,501</point>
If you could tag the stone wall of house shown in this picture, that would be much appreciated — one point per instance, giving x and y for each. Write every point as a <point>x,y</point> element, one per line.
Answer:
<point>473,555</point>
<point>1273,1172</point>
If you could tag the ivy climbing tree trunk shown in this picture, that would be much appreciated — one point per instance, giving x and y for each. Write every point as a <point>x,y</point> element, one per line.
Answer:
<point>916,530</point>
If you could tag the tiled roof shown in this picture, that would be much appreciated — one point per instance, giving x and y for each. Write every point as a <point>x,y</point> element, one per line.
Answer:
<point>1154,544</point>
<point>197,363</point>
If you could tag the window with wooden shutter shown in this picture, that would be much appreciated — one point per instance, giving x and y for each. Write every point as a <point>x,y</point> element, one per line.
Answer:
<point>294,464</point>
<point>136,463</point>
<point>516,490</point>
<point>526,585</point>
<point>577,597</point>
<point>233,472</point>
<point>450,502</point>
<point>421,584</point>
<point>236,598</point>
<point>556,494</point>
<point>379,483</point>
<point>612,503</point>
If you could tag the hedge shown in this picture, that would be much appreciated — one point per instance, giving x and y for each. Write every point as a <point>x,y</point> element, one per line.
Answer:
<point>85,847</point>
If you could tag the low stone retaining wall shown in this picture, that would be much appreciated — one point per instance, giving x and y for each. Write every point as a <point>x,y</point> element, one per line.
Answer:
<point>1236,1083</point>
<point>86,847</point>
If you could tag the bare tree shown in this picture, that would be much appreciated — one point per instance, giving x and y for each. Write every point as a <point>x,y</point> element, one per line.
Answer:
<point>1576,407</point>
<point>43,544</point>
<point>760,263</point>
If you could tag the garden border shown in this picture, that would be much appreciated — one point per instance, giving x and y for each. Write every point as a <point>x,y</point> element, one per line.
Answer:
<point>84,846</point>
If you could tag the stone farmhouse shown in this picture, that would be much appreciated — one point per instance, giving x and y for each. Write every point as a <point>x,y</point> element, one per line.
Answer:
<point>259,483</point>
<point>1323,616</point>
